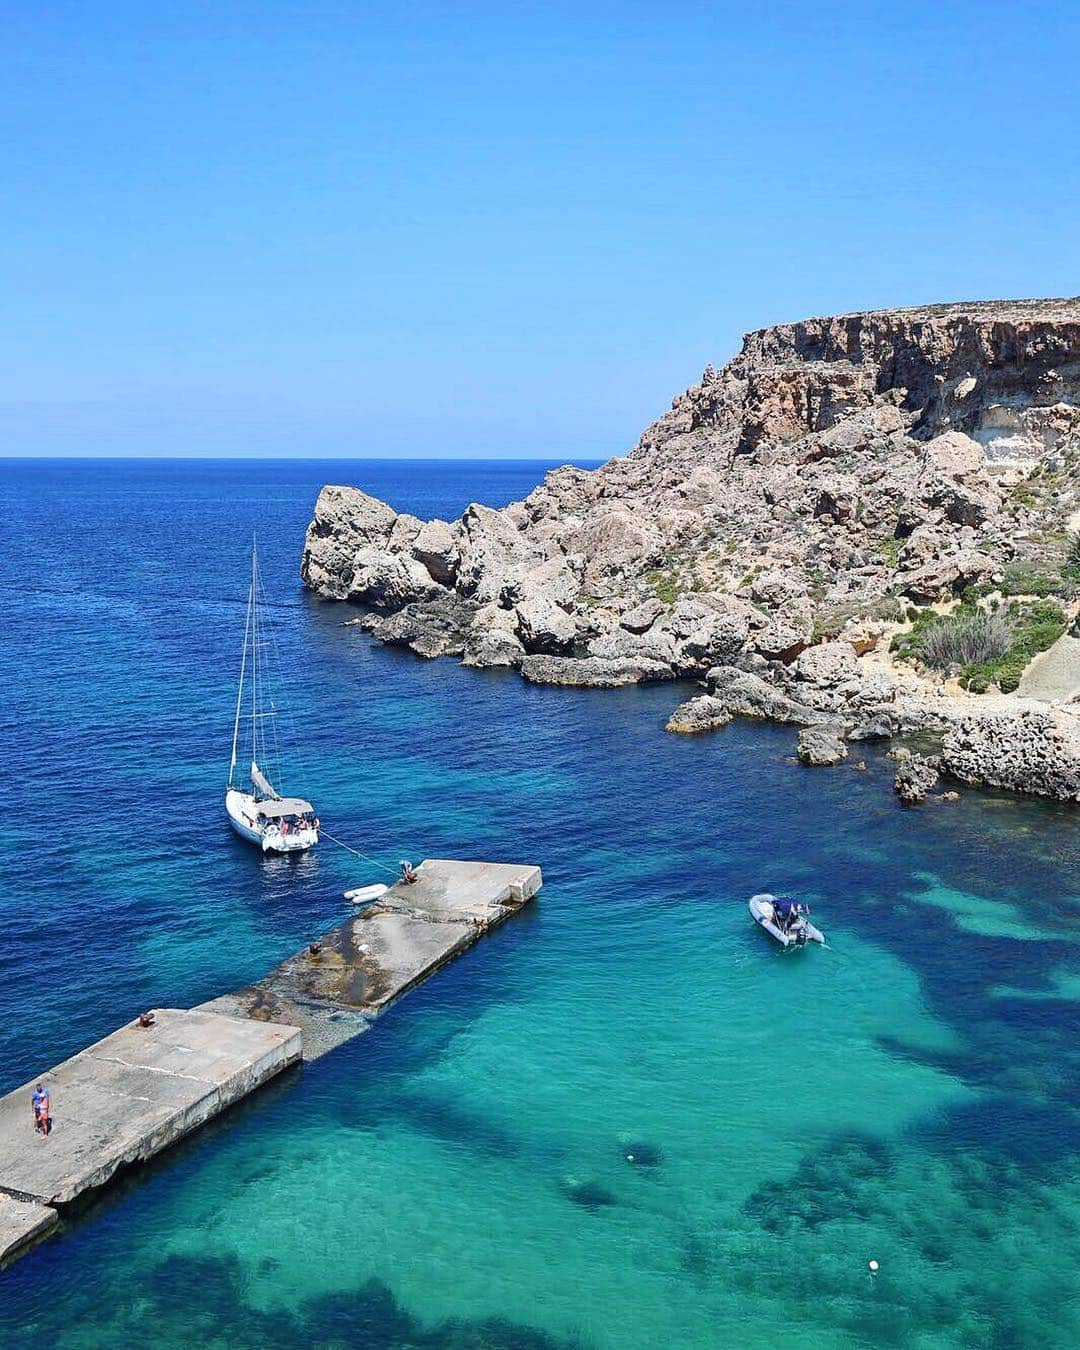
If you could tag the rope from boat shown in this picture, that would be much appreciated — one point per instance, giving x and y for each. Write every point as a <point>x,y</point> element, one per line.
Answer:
<point>325,834</point>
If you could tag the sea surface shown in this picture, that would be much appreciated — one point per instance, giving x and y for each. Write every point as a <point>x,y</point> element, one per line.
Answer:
<point>626,1120</point>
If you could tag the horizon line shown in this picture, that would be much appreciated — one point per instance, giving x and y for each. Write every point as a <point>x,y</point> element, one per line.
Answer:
<point>300,459</point>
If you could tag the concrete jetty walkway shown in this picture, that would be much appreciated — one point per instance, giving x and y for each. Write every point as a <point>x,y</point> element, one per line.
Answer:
<point>125,1099</point>
<point>334,988</point>
<point>142,1088</point>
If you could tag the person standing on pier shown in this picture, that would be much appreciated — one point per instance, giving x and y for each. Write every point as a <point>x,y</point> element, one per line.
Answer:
<point>41,1104</point>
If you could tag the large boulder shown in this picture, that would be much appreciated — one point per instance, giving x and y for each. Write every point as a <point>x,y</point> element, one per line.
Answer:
<point>494,554</point>
<point>748,695</point>
<point>828,664</point>
<point>428,628</point>
<point>947,574</point>
<point>553,579</point>
<point>953,455</point>
<point>641,617</point>
<point>707,630</point>
<point>611,542</point>
<point>436,546</point>
<point>492,639</point>
<point>403,532</point>
<point>703,713</point>
<point>492,648</point>
<point>954,479</point>
<point>787,633</point>
<point>390,580</point>
<point>775,587</point>
<point>543,627</point>
<point>822,744</point>
<point>616,643</point>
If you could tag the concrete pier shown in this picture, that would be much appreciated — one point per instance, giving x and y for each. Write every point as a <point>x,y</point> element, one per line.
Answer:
<point>125,1099</point>
<point>22,1223</point>
<point>142,1088</point>
<point>334,988</point>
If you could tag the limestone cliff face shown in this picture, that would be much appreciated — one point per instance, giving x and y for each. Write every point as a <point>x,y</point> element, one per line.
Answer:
<point>989,369</point>
<point>832,468</point>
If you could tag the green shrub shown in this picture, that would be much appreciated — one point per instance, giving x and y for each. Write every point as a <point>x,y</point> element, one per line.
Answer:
<point>1028,579</point>
<point>910,644</point>
<point>976,641</point>
<point>665,586</point>
<point>1035,627</point>
<point>973,638</point>
<point>1024,494</point>
<point>890,551</point>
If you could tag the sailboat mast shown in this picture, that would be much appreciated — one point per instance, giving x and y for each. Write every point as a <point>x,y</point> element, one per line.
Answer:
<point>254,657</point>
<point>240,688</point>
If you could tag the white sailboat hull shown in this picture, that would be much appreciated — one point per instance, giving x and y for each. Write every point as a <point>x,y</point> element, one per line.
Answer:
<point>243,811</point>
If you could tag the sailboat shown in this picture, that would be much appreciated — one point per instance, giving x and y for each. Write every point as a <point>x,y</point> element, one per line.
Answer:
<point>257,811</point>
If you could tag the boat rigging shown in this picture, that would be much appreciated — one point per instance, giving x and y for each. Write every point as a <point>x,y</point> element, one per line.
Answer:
<point>257,811</point>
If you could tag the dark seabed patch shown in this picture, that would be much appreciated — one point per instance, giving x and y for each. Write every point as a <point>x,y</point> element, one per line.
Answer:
<point>589,1195</point>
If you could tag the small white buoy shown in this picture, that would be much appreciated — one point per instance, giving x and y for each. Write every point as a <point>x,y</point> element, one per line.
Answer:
<point>629,1157</point>
<point>873,1267</point>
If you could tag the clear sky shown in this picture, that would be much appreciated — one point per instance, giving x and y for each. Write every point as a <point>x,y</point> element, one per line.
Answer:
<point>473,229</point>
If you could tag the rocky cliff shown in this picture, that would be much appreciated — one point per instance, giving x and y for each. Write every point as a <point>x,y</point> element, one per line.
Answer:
<point>767,530</point>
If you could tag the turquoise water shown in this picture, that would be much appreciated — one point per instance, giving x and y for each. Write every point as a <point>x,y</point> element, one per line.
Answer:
<point>625,1120</point>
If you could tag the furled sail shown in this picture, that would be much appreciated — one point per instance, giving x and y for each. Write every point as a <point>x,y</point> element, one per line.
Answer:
<point>261,782</point>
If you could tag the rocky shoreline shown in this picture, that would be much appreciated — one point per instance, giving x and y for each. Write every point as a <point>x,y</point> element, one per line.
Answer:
<point>838,484</point>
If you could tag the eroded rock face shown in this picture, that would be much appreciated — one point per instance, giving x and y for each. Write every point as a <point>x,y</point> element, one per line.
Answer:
<point>543,627</point>
<point>748,695</point>
<point>591,672</point>
<point>916,776</point>
<point>492,639</point>
<point>346,520</point>
<point>1035,751</point>
<point>830,465</point>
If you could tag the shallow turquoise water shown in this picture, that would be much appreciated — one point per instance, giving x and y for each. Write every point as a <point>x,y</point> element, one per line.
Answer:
<point>462,1175</point>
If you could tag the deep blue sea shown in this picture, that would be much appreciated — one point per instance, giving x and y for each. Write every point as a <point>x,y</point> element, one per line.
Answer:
<point>461,1176</point>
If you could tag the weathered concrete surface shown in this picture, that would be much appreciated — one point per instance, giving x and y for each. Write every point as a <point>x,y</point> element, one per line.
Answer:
<point>131,1095</point>
<point>22,1222</point>
<point>333,994</point>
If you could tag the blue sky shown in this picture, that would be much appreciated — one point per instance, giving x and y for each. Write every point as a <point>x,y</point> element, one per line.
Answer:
<point>320,229</point>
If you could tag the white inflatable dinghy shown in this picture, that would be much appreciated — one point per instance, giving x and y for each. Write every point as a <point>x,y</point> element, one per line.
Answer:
<point>785,919</point>
<point>365,893</point>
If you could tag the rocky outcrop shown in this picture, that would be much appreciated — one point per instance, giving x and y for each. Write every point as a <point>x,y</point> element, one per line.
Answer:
<point>1034,751</point>
<point>591,672</point>
<point>831,474</point>
<point>822,744</point>
<point>745,694</point>
<point>916,776</point>
<point>703,713</point>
